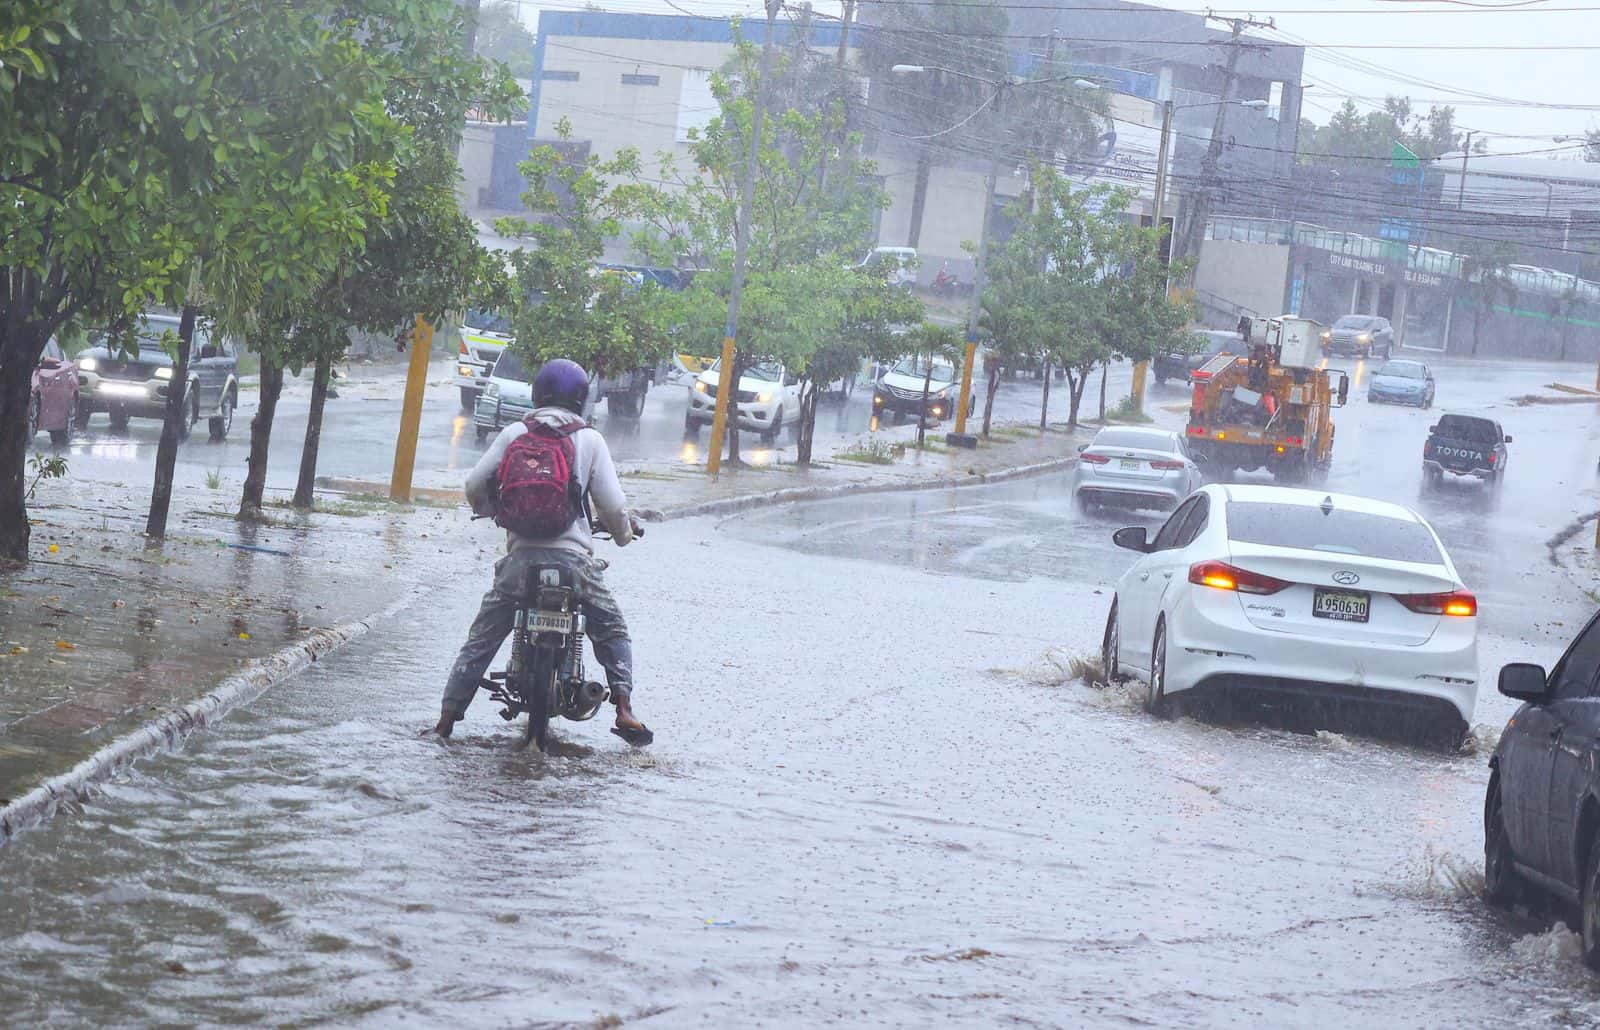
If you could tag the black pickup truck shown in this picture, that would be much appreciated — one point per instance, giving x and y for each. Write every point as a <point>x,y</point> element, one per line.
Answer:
<point>1465,445</point>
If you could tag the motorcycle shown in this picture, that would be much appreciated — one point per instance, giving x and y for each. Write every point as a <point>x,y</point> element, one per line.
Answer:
<point>545,676</point>
<point>945,283</point>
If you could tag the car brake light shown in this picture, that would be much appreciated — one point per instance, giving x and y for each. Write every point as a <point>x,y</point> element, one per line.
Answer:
<point>1220,575</point>
<point>1453,602</point>
<point>1095,459</point>
<point>1493,457</point>
<point>1166,466</point>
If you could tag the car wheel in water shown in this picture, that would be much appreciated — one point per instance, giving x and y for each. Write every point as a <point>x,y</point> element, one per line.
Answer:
<point>1156,700</point>
<point>770,435</point>
<point>80,417</point>
<point>223,420</point>
<point>690,426</point>
<point>190,415</point>
<point>1591,904</point>
<point>119,421</point>
<point>469,399</point>
<point>1501,884</point>
<point>1111,647</point>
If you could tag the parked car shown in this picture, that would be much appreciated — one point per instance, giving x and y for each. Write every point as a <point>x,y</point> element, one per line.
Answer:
<point>1273,594</point>
<point>481,337</point>
<point>507,396</point>
<point>1541,811</point>
<point>1465,445</point>
<point>1360,335</point>
<point>899,390</point>
<point>1402,382</point>
<point>768,395</point>
<point>53,400</point>
<point>898,264</point>
<point>1211,342</point>
<point>1134,468</point>
<point>134,384</point>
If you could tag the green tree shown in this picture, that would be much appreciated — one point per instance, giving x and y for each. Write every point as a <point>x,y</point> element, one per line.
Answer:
<point>149,150</point>
<point>806,303</point>
<point>502,37</point>
<point>1485,279</point>
<point>564,305</point>
<point>1355,140</point>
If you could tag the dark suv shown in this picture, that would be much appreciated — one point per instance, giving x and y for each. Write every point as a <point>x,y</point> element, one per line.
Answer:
<point>133,383</point>
<point>1541,814</point>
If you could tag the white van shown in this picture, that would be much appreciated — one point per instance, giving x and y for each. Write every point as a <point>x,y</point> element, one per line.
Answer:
<point>900,264</point>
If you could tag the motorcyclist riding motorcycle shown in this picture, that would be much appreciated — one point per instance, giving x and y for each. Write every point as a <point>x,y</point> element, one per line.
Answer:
<point>559,392</point>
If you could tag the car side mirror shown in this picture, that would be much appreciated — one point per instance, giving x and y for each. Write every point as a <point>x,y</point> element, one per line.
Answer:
<point>1524,681</point>
<point>1434,428</point>
<point>1082,447</point>
<point>1131,537</point>
<point>1508,439</point>
<point>1344,390</point>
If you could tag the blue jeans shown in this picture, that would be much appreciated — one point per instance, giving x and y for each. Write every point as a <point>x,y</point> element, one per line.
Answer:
<point>606,629</point>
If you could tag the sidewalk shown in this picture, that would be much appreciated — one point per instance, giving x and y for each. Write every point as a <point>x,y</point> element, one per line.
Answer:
<point>888,460</point>
<point>102,637</point>
<point>101,634</point>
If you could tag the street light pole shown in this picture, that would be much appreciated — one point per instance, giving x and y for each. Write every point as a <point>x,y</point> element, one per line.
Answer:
<point>961,438</point>
<point>1461,189</point>
<point>741,254</point>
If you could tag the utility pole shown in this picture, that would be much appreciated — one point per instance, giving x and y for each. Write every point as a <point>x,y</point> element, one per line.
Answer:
<point>741,254</point>
<point>1461,189</point>
<point>844,28</point>
<point>405,445</point>
<point>960,437</point>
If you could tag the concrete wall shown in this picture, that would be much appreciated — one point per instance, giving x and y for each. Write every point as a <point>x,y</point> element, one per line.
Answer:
<point>952,212</point>
<point>1249,277</point>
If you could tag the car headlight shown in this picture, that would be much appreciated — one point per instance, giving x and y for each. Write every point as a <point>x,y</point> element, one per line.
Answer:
<point>465,371</point>
<point>1326,337</point>
<point>701,387</point>
<point>87,364</point>
<point>763,398</point>
<point>1364,338</point>
<point>164,373</point>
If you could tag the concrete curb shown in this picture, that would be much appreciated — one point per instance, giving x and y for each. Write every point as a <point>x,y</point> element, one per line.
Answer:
<point>172,728</point>
<point>799,494</point>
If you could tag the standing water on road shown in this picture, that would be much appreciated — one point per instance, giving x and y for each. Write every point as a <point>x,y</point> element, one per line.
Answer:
<point>854,813</point>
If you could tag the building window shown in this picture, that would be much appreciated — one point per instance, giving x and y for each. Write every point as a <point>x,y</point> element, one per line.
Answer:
<point>554,76</point>
<point>1275,101</point>
<point>641,80</point>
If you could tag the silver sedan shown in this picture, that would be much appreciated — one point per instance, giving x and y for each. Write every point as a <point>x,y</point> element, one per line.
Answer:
<point>1134,468</point>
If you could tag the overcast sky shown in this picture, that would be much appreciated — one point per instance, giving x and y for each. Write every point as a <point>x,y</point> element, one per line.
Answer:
<point>1495,89</point>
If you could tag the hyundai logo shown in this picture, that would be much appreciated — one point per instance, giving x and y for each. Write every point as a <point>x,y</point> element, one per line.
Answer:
<point>1344,577</point>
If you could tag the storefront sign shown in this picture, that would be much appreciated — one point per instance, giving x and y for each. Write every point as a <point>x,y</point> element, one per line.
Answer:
<point>1416,278</point>
<point>1357,264</point>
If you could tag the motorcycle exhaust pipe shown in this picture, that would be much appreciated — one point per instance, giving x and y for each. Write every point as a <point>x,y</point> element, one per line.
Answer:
<point>592,693</point>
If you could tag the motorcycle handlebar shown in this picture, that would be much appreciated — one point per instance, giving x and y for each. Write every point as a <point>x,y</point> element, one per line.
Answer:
<point>596,530</point>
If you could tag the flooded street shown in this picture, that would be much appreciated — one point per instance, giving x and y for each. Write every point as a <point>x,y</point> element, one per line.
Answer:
<point>880,793</point>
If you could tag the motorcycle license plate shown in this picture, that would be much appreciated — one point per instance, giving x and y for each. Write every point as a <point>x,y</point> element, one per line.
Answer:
<point>550,622</point>
<point>1341,605</point>
<point>1131,464</point>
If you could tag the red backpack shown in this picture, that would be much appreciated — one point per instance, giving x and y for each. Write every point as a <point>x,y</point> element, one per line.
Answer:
<point>539,493</point>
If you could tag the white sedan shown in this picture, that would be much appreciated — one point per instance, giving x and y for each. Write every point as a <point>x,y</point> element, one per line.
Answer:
<point>1271,593</point>
<point>1134,468</point>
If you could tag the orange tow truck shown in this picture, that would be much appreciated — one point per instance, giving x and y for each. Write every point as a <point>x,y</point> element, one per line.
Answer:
<point>1271,409</point>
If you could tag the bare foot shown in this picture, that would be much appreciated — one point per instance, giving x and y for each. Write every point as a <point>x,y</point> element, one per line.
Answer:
<point>625,716</point>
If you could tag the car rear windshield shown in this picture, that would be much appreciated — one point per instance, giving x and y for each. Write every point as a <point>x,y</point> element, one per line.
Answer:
<point>1465,427</point>
<point>1134,438</point>
<point>1308,527</point>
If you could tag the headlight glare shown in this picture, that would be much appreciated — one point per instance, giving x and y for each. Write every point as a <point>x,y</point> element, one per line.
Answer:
<point>87,364</point>
<point>164,373</point>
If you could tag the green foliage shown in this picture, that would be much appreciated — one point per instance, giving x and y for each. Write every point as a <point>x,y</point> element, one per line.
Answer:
<point>45,467</point>
<point>1485,278</point>
<point>1355,140</point>
<point>1077,285</point>
<point>502,37</point>
<point>563,305</point>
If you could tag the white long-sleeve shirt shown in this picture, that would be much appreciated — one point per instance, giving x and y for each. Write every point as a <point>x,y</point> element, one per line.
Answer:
<point>592,467</point>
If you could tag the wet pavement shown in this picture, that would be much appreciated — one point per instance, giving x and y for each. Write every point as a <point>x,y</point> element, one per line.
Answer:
<point>879,794</point>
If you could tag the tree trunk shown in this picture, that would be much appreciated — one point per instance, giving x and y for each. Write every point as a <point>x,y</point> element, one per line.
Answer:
<point>255,482</point>
<point>809,393</point>
<point>919,195</point>
<point>1044,405</point>
<point>922,420</point>
<point>308,454</point>
<point>992,388</point>
<point>733,411</point>
<point>179,405</point>
<point>1077,380</point>
<point>1104,366</point>
<point>16,388</point>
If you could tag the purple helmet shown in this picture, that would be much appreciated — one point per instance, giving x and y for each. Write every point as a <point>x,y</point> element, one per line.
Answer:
<point>562,384</point>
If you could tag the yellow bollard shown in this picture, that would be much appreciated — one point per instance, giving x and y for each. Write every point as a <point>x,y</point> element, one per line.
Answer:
<point>405,445</point>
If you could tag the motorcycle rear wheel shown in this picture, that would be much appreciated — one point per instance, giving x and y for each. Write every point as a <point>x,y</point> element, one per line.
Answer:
<point>536,695</point>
